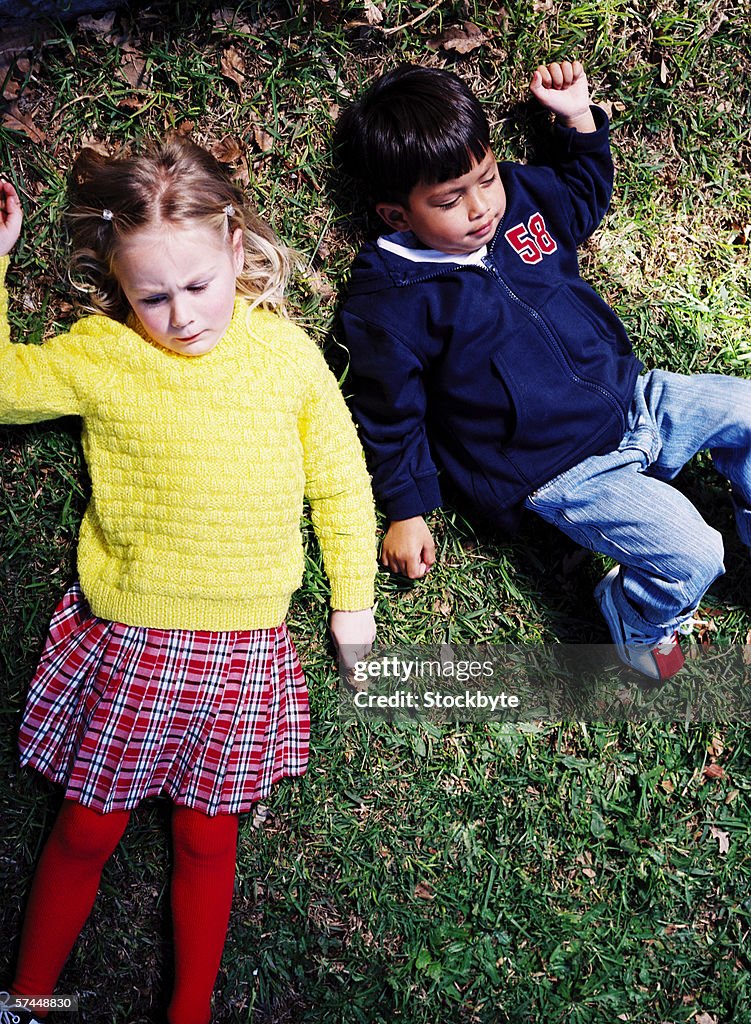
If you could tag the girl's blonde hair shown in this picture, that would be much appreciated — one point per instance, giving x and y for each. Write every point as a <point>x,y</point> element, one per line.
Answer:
<point>172,183</point>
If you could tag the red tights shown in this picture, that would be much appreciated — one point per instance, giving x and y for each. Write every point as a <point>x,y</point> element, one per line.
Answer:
<point>66,883</point>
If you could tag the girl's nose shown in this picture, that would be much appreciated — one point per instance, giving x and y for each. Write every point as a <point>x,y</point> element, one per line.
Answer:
<point>179,315</point>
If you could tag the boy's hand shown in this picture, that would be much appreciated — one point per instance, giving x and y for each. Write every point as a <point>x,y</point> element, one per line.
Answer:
<point>408,548</point>
<point>353,634</point>
<point>563,88</point>
<point>10,217</point>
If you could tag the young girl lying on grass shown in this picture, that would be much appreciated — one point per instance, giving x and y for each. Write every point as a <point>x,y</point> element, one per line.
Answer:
<point>168,668</point>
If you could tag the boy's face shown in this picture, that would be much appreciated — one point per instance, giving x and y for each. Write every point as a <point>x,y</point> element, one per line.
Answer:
<point>456,216</point>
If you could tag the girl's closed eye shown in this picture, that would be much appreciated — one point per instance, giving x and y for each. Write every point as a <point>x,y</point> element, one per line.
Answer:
<point>153,300</point>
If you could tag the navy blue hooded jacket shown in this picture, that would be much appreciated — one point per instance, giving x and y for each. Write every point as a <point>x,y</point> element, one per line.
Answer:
<point>503,375</point>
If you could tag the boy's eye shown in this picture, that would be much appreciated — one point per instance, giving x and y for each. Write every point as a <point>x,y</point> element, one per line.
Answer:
<point>153,300</point>
<point>449,204</point>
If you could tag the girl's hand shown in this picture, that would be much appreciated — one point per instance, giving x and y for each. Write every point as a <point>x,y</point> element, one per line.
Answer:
<point>563,88</point>
<point>353,634</point>
<point>10,217</point>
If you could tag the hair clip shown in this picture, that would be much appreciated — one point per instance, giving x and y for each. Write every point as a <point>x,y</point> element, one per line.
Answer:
<point>229,210</point>
<point>107,214</point>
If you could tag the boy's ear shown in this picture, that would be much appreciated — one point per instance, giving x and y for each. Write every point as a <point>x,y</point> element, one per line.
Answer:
<point>394,215</point>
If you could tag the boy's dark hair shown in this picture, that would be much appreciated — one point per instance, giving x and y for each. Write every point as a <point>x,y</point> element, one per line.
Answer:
<point>413,125</point>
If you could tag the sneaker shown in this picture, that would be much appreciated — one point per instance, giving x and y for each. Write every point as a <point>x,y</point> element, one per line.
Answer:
<point>658,657</point>
<point>19,1016</point>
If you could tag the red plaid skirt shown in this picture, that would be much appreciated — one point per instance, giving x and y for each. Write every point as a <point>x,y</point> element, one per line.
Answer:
<point>117,713</point>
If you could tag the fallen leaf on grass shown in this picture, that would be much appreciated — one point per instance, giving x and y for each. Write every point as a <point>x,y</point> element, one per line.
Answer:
<point>233,65</point>
<point>260,815</point>
<point>262,139</point>
<point>133,68</point>
<point>610,107</point>
<point>743,239</point>
<point>424,891</point>
<point>464,40</point>
<point>320,284</point>
<point>17,121</point>
<point>228,17</point>
<point>227,150</point>
<point>15,75</point>
<point>713,771</point>
<point>91,142</point>
<point>373,14</point>
<point>131,103</point>
<point>723,840</point>
<point>671,929</point>
<point>705,1018</point>
<point>716,746</point>
<point>102,26</point>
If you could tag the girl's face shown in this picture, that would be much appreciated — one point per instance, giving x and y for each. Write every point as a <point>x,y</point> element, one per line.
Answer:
<point>180,283</point>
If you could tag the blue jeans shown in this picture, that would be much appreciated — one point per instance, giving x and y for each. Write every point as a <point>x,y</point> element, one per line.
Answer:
<point>621,505</point>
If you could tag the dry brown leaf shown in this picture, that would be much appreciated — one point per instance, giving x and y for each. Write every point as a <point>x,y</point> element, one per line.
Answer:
<point>227,17</point>
<point>716,746</point>
<point>663,71</point>
<point>723,839</point>
<point>320,284</point>
<point>667,785</point>
<point>227,150</point>
<point>713,771</point>
<point>133,69</point>
<point>14,119</point>
<point>705,1018</point>
<point>373,14</point>
<point>91,142</point>
<point>185,128</point>
<point>743,239</point>
<point>241,173</point>
<point>102,26</point>
<point>671,929</point>
<point>611,107</point>
<point>424,891</point>
<point>732,796</point>
<point>463,40</point>
<point>233,65</point>
<point>262,139</point>
<point>11,86</point>
<point>131,103</point>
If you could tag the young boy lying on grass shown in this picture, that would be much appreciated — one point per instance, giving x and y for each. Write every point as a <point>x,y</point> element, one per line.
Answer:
<point>476,349</point>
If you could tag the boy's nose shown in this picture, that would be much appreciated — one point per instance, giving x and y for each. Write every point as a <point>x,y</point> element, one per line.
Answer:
<point>477,204</point>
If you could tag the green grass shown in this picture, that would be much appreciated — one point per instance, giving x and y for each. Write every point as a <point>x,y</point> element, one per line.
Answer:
<point>547,872</point>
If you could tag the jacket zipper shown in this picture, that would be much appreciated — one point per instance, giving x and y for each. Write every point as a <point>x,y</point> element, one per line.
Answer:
<point>493,271</point>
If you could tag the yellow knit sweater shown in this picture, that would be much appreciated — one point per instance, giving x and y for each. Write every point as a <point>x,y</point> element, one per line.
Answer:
<point>198,467</point>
